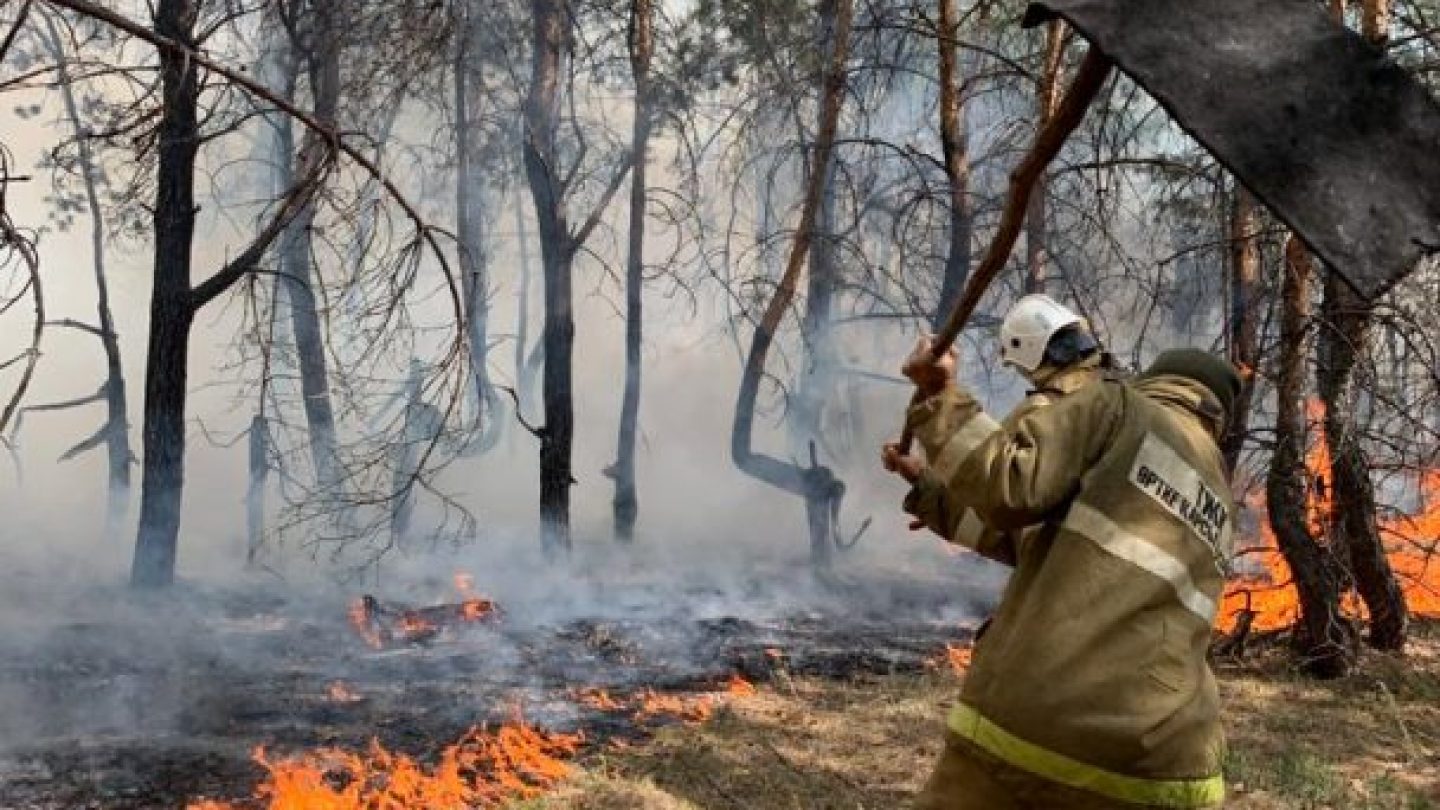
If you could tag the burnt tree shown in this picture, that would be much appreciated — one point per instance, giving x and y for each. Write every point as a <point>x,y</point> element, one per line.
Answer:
<point>470,216</point>
<point>1323,638</point>
<point>1047,101</point>
<point>1242,335</point>
<point>114,433</point>
<point>318,45</point>
<point>1354,524</point>
<point>955,143</point>
<point>816,484</point>
<point>642,47</point>
<point>174,301</point>
<point>1342,346</point>
<point>550,189</point>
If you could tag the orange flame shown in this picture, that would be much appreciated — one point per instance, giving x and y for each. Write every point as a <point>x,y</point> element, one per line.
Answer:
<point>364,624</point>
<point>598,699</point>
<point>464,583</point>
<point>1411,541</point>
<point>415,627</point>
<point>955,658</point>
<point>474,610</point>
<point>482,769</point>
<point>690,710</point>
<point>738,686</point>
<point>341,692</point>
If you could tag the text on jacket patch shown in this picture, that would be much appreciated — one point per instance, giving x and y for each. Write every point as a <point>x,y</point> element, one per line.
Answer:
<point>1170,481</point>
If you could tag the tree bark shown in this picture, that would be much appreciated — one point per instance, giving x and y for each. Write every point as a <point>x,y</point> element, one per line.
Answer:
<point>167,357</point>
<point>524,366</point>
<point>322,54</point>
<point>1243,333</point>
<point>549,44</point>
<point>470,221</point>
<point>1047,103</point>
<point>816,484</point>
<point>173,299</point>
<point>1344,338</point>
<point>259,474</point>
<point>626,503</point>
<point>955,142</point>
<point>117,427</point>
<point>1323,639</point>
<point>1343,342</point>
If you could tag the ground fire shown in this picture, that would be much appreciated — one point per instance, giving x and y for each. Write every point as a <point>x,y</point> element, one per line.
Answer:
<point>483,769</point>
<point>1269,597</point>
<point>382,625</point>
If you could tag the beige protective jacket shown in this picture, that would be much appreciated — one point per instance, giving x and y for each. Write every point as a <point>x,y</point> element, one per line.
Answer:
<point>928,497</point>
<point>1093,672</point>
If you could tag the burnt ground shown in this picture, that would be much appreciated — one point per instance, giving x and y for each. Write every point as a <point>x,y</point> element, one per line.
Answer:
<point>151,704</point>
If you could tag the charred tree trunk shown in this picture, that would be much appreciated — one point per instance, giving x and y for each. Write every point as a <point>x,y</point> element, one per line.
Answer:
<point>1243,334</point>
<point>524,366</point>
<point>955,142</point>
<point>1342,344</point>
<point>174,301</point>
<point>1323,639</point>
<point>1036,216</point>
<point>816,484</point>
<point>626,503</point>
<point>259,474</point>
<point>816,386</point>
<point>470,222</point>
<point>167,357</point>
<point>549,44</point>
<point>322,53</point>
<point>116,430</point>
<point>1344,338</point>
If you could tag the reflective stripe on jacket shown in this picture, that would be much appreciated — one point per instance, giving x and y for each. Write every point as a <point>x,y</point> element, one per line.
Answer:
<point>1094,668</point>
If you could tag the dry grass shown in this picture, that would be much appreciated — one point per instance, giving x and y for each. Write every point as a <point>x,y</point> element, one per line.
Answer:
<point>1366,743</point>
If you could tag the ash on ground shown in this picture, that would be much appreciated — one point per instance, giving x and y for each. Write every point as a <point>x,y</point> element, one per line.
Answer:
<point>122,702</point>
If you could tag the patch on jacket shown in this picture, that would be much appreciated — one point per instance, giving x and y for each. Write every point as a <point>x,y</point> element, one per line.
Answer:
<point>1170,481</point>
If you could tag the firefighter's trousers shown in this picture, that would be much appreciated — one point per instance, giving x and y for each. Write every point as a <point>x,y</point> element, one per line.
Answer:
<point>968,778</point>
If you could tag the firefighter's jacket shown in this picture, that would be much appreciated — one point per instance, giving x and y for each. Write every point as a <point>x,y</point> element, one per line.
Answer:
<point>928,497</point>
<point>1093,673</point>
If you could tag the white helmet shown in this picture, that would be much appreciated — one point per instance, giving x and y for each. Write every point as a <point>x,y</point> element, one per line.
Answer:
<point>1027,330</point>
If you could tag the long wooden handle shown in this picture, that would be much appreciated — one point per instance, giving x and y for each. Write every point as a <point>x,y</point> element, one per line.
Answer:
<point>1091,76</point>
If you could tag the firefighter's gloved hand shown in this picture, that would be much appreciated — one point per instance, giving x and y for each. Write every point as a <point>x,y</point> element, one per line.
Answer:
<point>905,465</point>
<point>929,374</point>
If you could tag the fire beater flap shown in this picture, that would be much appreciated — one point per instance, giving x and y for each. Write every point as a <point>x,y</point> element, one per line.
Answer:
<point>1338,140</point>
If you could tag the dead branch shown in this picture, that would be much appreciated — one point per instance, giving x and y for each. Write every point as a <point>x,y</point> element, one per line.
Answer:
<point>20,246</point>
<point>425,231</point>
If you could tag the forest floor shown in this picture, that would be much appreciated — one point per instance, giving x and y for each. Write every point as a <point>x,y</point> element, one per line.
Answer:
<point>1367,742</point>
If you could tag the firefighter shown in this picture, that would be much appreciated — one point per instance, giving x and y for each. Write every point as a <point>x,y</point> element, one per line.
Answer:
<point>1055,351</point>
<point>1091,688</point>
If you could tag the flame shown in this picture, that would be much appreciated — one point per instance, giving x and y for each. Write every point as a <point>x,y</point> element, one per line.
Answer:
<point>476,609</point>
<point>648,704</point>
<point>482,769</point>
<point>737,686</point>
<point>341,692</point>
<point>465,583</point>
<point>363,621</point>
<point>955,658</point>
<point>415,627</point>
<point>598,699</point>
<point>690,710</point>
<point>381,626</point>
<point>1410,543</point>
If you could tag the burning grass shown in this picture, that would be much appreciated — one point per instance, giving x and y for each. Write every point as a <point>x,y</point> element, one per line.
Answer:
<point>483,769</point>
<point>1413,542</point>
<point>1368,742</point>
